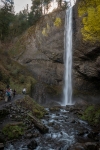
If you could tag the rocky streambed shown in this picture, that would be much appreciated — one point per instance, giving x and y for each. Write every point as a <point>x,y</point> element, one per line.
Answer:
<point>65,130</point>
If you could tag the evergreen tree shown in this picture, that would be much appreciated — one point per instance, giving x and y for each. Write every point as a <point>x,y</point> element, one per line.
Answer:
<point>36,12</point>
<point>6,17</point>
<point>20,23</point>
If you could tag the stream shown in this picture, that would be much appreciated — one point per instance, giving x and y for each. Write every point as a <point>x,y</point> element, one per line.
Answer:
<point>65,129</point>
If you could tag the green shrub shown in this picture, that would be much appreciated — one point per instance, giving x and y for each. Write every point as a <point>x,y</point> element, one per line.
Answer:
<point>22,79</point>
<point>15,72</point>
<point>92,114</point>
<point>13,131</point>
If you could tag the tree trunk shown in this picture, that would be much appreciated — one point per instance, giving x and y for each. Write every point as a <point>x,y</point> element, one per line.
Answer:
<point>38,124</point>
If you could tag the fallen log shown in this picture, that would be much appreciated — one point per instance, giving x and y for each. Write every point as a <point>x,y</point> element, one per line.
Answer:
<point>38,124</point>
<point>15,123</point>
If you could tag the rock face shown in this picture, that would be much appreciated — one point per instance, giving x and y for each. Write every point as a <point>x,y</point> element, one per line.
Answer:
<point>86,66</point>
<point>42,48</point>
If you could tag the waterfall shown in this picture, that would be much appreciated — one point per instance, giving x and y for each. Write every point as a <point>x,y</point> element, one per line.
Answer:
<point>67,91</point>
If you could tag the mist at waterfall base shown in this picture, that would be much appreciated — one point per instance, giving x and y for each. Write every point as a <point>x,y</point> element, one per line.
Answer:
<point>67,90</point>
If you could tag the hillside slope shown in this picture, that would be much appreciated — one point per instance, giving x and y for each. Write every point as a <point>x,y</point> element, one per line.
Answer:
<point>14,74</point>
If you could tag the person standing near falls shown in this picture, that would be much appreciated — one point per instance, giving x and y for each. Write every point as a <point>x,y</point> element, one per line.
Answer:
<point>6,97</point>
<point>14,93</point>
<point>24,91</point>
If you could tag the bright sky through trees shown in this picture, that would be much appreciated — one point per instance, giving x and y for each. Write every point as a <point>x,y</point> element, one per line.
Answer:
<point>21,4</point>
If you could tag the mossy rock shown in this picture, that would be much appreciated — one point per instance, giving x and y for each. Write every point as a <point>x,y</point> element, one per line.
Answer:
<point>92,114</point>
<point>11,131</point>
<point>34,108</point>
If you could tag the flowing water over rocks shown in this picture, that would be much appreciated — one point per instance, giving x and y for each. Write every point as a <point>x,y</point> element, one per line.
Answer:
<point>66,132</point>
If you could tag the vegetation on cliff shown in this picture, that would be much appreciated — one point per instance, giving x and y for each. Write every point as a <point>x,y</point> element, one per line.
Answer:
<point>89,11</point>
<point>13,25</point>
<point>92,115</point>
<point>58,22</point>
<point>14,74</point>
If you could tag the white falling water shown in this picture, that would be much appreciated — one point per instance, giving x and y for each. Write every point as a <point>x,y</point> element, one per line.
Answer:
<point>67,99</point>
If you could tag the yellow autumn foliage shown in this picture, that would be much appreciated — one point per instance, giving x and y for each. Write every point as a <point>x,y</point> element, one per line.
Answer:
<point>57,22</point>
<point>89,10</point>
<point>46,30</point>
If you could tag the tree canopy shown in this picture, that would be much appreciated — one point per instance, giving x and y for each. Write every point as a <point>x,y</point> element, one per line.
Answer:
<point>12,25</point>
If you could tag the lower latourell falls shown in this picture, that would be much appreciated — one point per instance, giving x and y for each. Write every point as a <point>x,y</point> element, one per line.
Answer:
<point>54,68</point>
<point>67,99</point>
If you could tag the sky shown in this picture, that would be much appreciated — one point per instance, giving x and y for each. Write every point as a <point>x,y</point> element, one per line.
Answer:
<point>21,4</point>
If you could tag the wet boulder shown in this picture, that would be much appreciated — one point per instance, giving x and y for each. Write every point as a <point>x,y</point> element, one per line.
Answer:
<point>94,135</point>
<point>91,146</point>
<point>32,145</point>
<point>77,146</point>
<point>84,146</point>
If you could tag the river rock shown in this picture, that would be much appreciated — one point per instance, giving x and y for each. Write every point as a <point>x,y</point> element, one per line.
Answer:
<point>29,136</point>
<point>36,134</point>
<point>84,146</point>
<point>93,135</point>
<point>1,146</point>
<point>77,146</point>
<point>72,121</point>
<point>91,146</point>
<point>32,145</point>
<point>81,133</point>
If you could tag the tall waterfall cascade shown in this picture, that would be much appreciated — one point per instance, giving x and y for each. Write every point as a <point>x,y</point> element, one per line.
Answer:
<point>67,90</point>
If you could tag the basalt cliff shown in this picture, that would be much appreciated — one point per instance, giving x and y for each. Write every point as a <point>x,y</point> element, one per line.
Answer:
<point>41,49</point>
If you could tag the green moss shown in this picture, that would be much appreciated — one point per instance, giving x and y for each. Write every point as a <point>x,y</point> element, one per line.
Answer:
<point>92,114</point>
<point>90,12</point>
<point>34,108</point>
<point>13,131</point>
<point>39,114</point>
<point>57,22</point>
